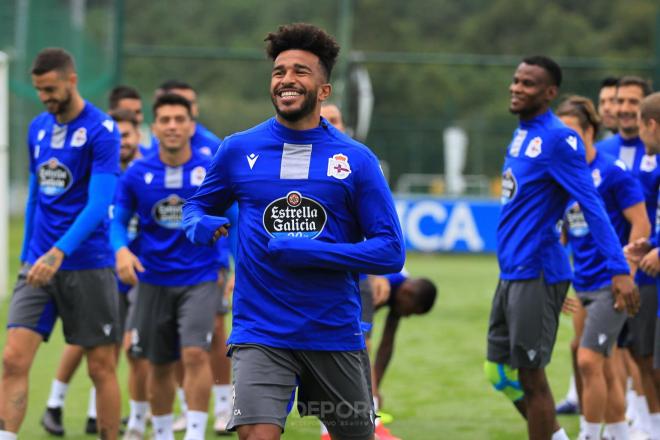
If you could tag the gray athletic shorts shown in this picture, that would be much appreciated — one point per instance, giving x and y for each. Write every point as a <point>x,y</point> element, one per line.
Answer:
<point>641,327</point>
<point>222,305</point>
<point>523,322</point>
<point>86,300</point>
<point>603,323</point>
<point>168,318</point>
<point>131,298</point>
<point>334,386</point>
<point>656,350</point>
<point>367,301</point>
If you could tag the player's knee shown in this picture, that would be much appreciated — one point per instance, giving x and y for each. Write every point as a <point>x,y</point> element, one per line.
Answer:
<point>257,432</point>
<point>575,343</point>
<point>194,357</point>
<point>589,366</point>
<point>15,361</point>
<point>100,367</point>
<point>504,379</point>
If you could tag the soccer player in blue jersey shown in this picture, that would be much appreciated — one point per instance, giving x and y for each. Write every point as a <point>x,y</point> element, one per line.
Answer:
<point>67,270</point>
<point>627,146</point>
<point>544,165</point>
<point>177,294</point>
<point>603,395</point>
<point>314,211</point>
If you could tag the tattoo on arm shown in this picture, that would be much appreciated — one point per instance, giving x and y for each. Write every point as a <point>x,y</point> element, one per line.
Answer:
<point>49,260</point>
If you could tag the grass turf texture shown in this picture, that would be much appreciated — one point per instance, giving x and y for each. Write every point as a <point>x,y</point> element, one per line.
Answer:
<point>434,387</point>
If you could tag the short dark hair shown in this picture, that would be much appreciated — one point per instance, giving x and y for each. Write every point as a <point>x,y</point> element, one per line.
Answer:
<point>53,58</point>
<point>631,80</point>
<point>425,293</point>
<point>172,84</point>
<point>124,115</point>
<point>609,81</point>
<point>549,65</point>
<point>650,108</point>
<point>121,92</point>
<point>307,37</point>
<point>171,99</point>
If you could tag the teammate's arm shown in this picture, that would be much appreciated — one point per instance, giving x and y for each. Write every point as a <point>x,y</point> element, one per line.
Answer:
<point>640,227</point>
<point>126,263</point>
<point>386,347</point>
<point>382,251</point>
<point>570,170</point>
<point>100,193</point>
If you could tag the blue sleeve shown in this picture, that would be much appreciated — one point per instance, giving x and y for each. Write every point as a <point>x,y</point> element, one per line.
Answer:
<point>30,206</point>
<point>106,144</point>
<point>627,189</point>
<point>569,168</point>
<point>381,252</point>
<point>232,216</point>
<point>202,211</point>
<point>119,227</point>
<point>100,194</point>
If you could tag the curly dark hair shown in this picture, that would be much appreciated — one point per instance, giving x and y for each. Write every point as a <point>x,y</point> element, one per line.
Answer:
<point>304,36</point>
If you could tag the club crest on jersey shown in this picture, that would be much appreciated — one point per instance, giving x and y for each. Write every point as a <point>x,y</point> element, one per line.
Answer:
<point>572,142</point>
<point>338,167</point>
<point>197,176</point>
<point>648,163</point>
<point>168,212</point>
<point>509,186</point>
<point>534,147</point>
<point>597,178</point>
<point>79,137</point>
<point>517,142</point>
<point>54,177</point>
<point>148,178</point>
<point>577,225</point>
<point>294,216</point>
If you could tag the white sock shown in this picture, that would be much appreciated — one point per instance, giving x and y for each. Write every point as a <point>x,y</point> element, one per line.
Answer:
<point>196,425</point>
<point>91,405</point>
<point>57,394</point>
<point>376,404</point>
<point>222,395</point>
<point>560,435</point>
<point>642,408</point>
<point>617,431</point>
<point>583,423</point>
<point>182,401</point>
<point>655,425</point>
<point>324,430</point>
<point>591,430</point>
<point>6,435</point>
<point>163,427</point>
<point>137,418</point>
<point>571,394</point>
<point>631,402</point>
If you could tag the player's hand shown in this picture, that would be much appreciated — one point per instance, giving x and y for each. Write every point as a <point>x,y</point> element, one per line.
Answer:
<point>45,267</point>
<point>636,250</point>
<point>222,231</point>
<point>625,293</point>
<point>126,265</point>
<point>571,305</point>
<point>651,263</point>
<point>380,289</point>
<point>207,229</point>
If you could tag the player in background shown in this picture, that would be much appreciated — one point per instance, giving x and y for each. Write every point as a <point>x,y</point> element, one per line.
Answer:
<point>627,146</point>
<point>599,324</point>
<point>67,261</point>
<point>177,293</point>
<point>128,98</point>
<point>544,166</point>
<point>297,178</point>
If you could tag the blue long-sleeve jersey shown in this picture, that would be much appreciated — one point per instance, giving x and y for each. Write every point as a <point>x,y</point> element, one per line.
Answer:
<point>644,167</point>
<point>314,211</point>
<point>619,190</point>
<point>545,163</point>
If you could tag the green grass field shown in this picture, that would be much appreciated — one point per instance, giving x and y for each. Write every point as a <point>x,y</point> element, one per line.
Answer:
<point>434,387</point>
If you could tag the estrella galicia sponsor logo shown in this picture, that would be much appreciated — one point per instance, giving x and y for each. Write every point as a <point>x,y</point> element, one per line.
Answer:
<point>294,216</point>
<point>509,186</point>
<point>577,225</point>
<point>54,177</point>
<point>168,212</point>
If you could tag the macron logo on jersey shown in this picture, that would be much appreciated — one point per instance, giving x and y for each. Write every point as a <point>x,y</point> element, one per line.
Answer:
<point>252,159</point>
<point>572,142</point>
<point>109,125</point>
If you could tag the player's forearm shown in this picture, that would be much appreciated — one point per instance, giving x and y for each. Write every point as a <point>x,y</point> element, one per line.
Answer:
<point>383,357</point>
<point>30,207</point>
<point>100,194</point>
<point>119,228</point>
<point>377,255</point>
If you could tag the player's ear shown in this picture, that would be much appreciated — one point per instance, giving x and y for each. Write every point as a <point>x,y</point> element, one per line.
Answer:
<point>324,92</point>
<point>551,92</point>
<point>72,78</point>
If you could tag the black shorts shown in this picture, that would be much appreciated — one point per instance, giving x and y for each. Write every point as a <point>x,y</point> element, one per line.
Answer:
<point>87,301</point>
<point>523,322</point>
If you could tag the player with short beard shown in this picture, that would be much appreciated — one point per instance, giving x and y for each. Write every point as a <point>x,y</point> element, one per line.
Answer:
<point>296,314</point>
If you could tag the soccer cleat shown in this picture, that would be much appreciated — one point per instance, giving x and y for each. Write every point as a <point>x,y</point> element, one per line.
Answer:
<point>382,433</point>
<point>566,407</point>
<point>52,421</point>
<point>133,434</point>
<point>326,436</point>
<point>90,426</point>
<point>221,422</point>
<point>180,423</point>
